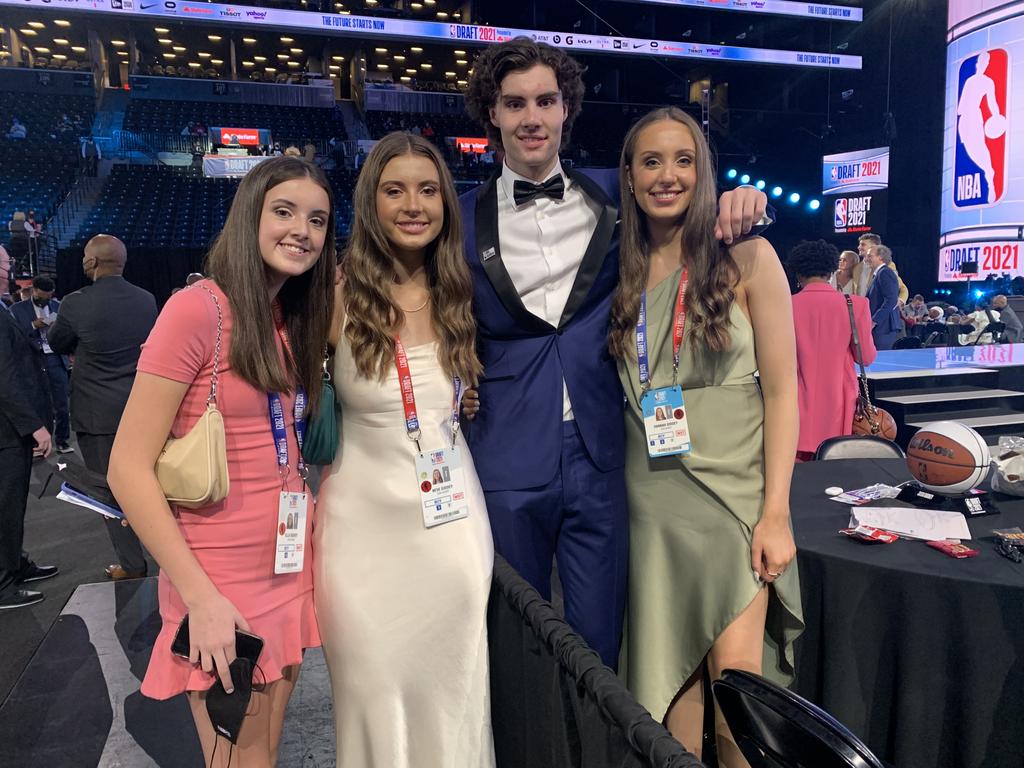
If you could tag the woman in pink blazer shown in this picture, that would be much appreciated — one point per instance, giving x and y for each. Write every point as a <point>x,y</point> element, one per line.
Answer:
<point>826,367</point>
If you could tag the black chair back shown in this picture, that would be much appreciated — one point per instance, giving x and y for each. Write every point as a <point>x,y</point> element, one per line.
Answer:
<point>850,447</point>
<point>907,342</point>
<point>775,728</point>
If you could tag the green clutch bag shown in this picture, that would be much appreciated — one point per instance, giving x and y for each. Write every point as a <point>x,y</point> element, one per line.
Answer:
<point>320,445</point>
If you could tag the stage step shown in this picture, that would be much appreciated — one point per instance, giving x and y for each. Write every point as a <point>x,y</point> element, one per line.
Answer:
<point>949,395</point>
<point>904,382</point>
<point>988,422</point>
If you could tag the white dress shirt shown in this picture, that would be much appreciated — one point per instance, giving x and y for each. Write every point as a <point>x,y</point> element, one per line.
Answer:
<point>542,244</point>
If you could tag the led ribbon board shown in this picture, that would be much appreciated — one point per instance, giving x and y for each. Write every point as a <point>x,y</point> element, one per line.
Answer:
<point>773,7</point>
<point>369,27</point>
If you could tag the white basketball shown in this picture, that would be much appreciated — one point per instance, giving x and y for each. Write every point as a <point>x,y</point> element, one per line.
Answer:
<point>995,126</point>
<point>948,457</point>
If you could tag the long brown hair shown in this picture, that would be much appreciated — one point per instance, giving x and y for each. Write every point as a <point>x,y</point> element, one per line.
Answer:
<point>236,264</point>
<point>712,272</point>
<point>373,319</point>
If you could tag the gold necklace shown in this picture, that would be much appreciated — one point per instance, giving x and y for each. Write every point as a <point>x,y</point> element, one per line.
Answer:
<point>410,311</point>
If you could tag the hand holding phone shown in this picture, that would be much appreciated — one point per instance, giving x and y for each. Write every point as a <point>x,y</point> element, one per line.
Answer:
<point>207,636</point>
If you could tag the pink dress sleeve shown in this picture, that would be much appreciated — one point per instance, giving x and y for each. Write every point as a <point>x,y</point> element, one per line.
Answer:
<point>182,341</point>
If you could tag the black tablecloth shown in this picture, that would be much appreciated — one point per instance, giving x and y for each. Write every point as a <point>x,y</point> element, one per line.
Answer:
<point>919,654</point>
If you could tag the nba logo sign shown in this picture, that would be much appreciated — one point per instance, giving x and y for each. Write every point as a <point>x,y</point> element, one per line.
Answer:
<point>982,128</point>
<point>840,221</point>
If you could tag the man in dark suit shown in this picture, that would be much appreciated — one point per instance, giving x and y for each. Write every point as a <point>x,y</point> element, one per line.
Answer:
<point>24,416</point>
<point>104,326</point>
<point>34,318</point>
<point>1014,332</point>
<point>542,246</point>
<point>883,296</point>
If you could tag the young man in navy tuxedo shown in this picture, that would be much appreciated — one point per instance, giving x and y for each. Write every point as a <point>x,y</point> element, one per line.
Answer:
<point>542,244</point>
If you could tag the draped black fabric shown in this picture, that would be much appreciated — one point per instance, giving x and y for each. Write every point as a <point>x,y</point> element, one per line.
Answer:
<point>553,703</point>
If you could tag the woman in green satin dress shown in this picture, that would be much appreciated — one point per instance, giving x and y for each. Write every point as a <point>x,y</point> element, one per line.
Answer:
<point>713,582</point>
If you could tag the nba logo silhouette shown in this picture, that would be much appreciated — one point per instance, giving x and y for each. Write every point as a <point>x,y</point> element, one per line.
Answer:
<point>982,129</point>
<point>840,222</point>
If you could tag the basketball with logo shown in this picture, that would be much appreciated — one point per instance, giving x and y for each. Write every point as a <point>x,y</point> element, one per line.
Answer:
<point>948,457</point>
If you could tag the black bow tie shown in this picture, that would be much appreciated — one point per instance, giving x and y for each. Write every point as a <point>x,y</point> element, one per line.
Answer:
<point>524,191</point>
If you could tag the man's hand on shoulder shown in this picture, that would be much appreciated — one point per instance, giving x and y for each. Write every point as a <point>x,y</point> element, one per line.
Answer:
<point>738,211</point>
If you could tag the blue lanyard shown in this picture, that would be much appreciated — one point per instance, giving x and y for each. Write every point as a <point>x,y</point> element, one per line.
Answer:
<point>641,344</point>
<point>678,327</point>
<point>281,435</point>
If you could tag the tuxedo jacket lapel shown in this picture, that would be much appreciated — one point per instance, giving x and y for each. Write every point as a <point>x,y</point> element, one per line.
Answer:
<point>597,249</point>
<point>489,253</point>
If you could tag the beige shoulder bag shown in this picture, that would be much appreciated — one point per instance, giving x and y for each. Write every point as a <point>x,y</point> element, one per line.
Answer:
<point>193,469</point>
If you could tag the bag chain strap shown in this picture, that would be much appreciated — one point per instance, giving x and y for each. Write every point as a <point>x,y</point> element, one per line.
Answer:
<point>212,398</point>
<point>869,409</point>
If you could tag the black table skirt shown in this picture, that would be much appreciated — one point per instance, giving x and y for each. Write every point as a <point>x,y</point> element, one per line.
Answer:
<point>919,654</point>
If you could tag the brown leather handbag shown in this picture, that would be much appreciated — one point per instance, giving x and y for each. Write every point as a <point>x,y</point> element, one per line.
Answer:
<point>868,418</point>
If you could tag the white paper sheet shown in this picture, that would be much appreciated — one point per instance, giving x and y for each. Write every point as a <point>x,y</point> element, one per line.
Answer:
<point>71,496</point>
<point>912,523</point>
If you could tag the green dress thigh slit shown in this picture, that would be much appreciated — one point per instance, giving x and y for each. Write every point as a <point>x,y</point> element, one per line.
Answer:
<point>692,517</point>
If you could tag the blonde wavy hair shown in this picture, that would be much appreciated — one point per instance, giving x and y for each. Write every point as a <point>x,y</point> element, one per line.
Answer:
<point>373,320</point>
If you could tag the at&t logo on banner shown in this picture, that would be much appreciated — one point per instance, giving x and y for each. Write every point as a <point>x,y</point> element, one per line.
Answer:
<point>982,129</point>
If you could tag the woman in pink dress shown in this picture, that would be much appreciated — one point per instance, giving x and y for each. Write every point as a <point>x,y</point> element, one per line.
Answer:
<point>271,288</point>
<point>826,369</point>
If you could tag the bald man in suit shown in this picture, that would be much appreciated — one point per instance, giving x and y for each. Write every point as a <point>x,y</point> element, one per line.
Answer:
<point>104,326</point>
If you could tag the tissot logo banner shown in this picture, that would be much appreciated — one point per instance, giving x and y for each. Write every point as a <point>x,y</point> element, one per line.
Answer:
<point>982,129</point>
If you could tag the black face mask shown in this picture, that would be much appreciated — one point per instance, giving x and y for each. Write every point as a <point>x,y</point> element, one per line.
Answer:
<point>40,302</point>
<point>227,711</point>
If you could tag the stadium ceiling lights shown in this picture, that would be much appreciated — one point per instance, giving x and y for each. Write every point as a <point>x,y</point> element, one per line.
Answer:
<point>161,30</point>
<point>776,191</point>
<point>37,25</point>
<point>259,58</point>
<point>178,48</point>
<point>794,198</point>
<point>287,39</point>
<point>814,205</point>
<point>62,22</point>
<point>338,58</point>
<point>61,41</point>
<point>427,65</point>
<point>118,43</point>
<point>29,32</point>
<point>249,40</point>
<point>41,49</point>
<point>204,55</point>
<point>164,40</point>
<point>416,49</point>
<point>78,48</point>
<point>283,56</point>
<point>442,15</point>
<point>214,38</point>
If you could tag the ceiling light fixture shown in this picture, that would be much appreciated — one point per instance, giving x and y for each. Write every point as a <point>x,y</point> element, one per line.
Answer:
<point>62,22</point>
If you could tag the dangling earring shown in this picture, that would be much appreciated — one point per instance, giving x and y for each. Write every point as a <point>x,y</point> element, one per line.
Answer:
<point>630,183</point>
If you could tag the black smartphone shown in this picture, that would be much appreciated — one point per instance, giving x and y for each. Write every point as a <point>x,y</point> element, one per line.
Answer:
<point>247,645</point>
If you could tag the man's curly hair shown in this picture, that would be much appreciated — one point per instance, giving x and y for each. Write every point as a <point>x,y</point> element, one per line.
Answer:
<point>497,61</point>
<point>813,258</point>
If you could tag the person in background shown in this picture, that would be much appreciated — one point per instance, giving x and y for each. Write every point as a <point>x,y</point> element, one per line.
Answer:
<point>713,583</point>
<point>269,299</point>
<point>309,151</point>
<point>843,279</point>
<point>24,415</point>
<point>1014,327</point>
<point>91,156</point>
<point>17,129</point>
<point>980,319</point>
<point>883,297</point>
<point>35,318</point>
<point>916,310</point>
<point>104,325</point>
<point>826,368</point>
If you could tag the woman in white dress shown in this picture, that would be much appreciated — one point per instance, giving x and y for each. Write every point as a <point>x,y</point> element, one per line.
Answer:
<point>403,563</point>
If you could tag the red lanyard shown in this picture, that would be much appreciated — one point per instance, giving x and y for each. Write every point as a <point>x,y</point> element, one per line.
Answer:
<point>679,324</point>
<point>412,422</point>
<point>678,327</point>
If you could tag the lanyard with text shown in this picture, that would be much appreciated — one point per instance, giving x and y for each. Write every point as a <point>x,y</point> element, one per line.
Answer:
<point>678,328</point>
<point>412,422</point>
<point>280,433</point>
<point>665,423</point>
<point>293,506</point>
<point>439,474</point>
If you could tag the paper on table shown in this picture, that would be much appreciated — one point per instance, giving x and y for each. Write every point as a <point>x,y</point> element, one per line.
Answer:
<point>913,523</point>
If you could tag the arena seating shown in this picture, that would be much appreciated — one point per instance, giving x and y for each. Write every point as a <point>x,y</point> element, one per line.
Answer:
<point>285,123</point>
<point>151,206</point>
<point>381,123</point>
<point>42,117</point>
